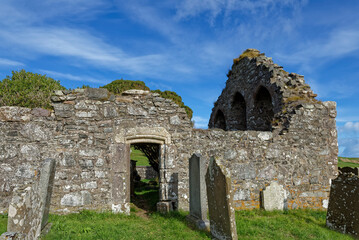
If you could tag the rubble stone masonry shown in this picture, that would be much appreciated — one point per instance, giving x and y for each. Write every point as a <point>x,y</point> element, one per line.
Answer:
<point>266,126</point>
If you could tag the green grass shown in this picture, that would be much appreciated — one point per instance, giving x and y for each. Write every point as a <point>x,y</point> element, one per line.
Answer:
<point>354,162</point>
<point>147,195</point>
<point>89,225</point>
<point>3,223</point>
<point>293,224</point>
<point>140,157</point>
<point>253,224</point>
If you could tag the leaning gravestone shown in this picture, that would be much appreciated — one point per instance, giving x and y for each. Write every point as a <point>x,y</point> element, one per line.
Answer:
<point>197,192</point>
<point>29,207</point>
<point>220,202</point>
<point>274,197</point>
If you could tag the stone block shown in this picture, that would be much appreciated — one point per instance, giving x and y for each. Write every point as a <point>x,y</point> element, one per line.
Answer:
<point>220,202</point>
<point>197,192</point>
<point>97,93</point>
<point>164,206</point>
<point>274,197</point>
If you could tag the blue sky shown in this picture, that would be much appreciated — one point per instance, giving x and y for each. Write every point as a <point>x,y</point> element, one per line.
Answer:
<point>188,46</point>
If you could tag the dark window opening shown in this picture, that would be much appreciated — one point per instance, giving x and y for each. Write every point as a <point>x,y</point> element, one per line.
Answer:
<point>219,120</point>
<point>263,110</point>
<point>239,115</point>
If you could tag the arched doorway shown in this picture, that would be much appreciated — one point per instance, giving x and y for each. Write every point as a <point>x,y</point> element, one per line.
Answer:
<point>145,176</point>
<point>120,167</point>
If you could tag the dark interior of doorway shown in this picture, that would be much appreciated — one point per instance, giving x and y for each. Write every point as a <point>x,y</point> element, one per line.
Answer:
<point>144,188</point>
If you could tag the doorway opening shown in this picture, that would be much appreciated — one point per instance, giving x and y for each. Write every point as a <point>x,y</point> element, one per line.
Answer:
<point>145,162</point>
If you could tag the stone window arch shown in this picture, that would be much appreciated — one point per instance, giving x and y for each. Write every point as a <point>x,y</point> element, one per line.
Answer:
<point>263,110</point>
<point>239,112</point>
<point>219,120</point>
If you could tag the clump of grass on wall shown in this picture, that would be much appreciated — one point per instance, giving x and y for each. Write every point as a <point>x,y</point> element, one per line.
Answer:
<point>119,86</point>
<point>27,89</point>
<point>175,98</point>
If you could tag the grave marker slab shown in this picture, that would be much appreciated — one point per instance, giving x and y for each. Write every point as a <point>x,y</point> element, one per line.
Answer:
<point>274,197</point>
<point>220,202</point>
<point>197,192</point>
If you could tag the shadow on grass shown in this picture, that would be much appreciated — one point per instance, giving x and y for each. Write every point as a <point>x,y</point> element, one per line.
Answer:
<point>179,216</point>
<point>146,195</point>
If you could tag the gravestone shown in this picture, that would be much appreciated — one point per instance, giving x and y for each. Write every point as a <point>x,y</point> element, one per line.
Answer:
<point>46,185</point>
<point>29,207</point>
<point>220,202</point>
<point>343,214</point>
<point>274,197</point>
<point>197,192</point>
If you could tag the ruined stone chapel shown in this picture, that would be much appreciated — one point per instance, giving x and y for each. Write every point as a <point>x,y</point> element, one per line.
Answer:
<point>265,126</point>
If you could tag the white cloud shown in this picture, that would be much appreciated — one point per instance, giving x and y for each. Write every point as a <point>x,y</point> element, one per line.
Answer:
<point>21,12</point>
<point>192,8</point>
<point>350,127</point>
<point>67,76</point>
<point>83,48</point>
<point>338,43</point>
<point>349,147</point>
<point>8,62</point>
<point>200,122</point>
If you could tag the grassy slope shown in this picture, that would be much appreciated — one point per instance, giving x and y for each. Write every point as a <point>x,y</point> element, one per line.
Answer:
<point>255,224</point>
<point>354,162</point>
<point>140,157</point>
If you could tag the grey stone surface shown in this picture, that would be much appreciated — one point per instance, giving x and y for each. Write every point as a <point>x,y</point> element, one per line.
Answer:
<point>274,197</point>
<point>45,186</point>
<point>97,93</point>
<point>29,207</point>
<point>197,192</point>
<point>220,202</point>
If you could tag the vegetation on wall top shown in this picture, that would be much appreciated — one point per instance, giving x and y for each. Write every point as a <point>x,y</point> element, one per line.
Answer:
<point>32,90</point>
<point>119,86</point>
<point>249,53</point>
<point>27,89</point>
<point>175,98</point>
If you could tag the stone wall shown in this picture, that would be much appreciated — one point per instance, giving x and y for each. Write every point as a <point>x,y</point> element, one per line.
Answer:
<point>286,136</point>
<point>26,139</point>
<point>146,172</point>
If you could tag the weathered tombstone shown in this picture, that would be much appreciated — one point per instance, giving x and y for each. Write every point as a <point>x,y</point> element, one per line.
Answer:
<point>343,214</point>
<point>197,192</point>
<point>274,197</point>
<point>46,185</point>
<point>29,207</point>
<point>220,202</point>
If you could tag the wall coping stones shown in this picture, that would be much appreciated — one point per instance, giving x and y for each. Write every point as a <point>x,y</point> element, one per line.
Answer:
<point>135,92</point>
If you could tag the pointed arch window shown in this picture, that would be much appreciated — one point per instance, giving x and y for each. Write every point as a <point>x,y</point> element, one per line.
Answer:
<point>263,110</point>
<point>239,112</point>
<point>219,120</point>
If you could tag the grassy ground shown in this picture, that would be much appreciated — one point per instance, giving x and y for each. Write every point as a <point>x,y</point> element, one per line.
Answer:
<point>140,157</point>
<point>3,223</point>
<point>146,195</point>
<point>255,224</point>
<point>348,162</point>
